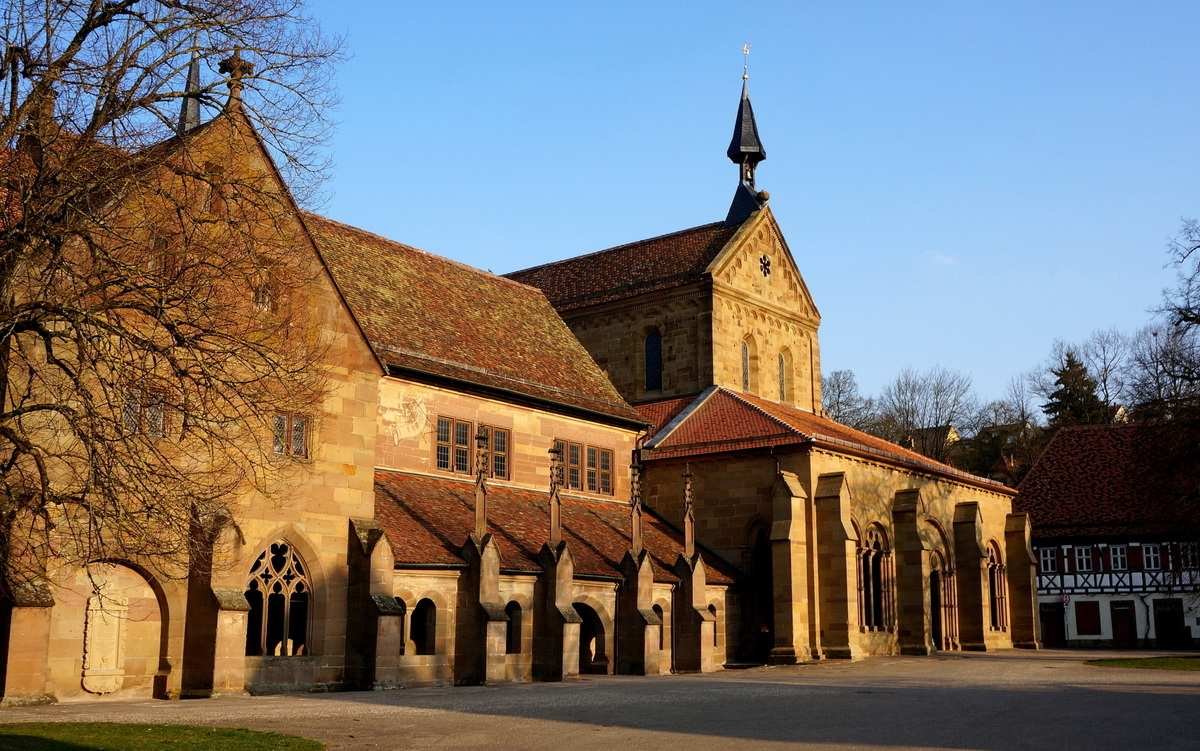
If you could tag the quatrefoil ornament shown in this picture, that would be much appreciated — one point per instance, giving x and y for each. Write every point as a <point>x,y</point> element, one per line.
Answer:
<point>764,264</point>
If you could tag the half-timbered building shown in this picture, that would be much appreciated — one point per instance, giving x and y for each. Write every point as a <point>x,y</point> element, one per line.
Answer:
<point>1117,537</point>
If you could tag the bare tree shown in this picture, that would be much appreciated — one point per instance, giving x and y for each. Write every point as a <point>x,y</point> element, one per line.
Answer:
<point>1105,354</point>
<point>153,319</point>
<point>923,407</point>
<point>842,401</point>
<point>1161,371</point>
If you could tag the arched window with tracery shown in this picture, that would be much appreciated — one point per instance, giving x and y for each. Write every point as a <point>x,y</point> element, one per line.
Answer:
<point>653,359</point>
<point>875,581</point>
<point>512,632</point>
<point>749,365</point>
<point>280,597</point>
<point>784,366</point>
<point>997,588</point>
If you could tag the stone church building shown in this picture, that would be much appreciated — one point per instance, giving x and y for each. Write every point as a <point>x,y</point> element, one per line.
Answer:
<point>615,463</point>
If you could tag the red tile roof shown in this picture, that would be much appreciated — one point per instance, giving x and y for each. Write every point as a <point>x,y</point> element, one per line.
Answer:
<point>627,270</point>
<point>727,420</point>
<point>428,519</point>
<point>435,316</point>
<point>1115,481</point>
<point>661,412</point>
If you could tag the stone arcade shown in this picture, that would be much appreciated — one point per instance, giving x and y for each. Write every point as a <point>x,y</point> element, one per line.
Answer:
<point>478,502</point>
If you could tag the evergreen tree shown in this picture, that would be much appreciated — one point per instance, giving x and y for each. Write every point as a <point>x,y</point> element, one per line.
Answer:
<point>1074,401</point>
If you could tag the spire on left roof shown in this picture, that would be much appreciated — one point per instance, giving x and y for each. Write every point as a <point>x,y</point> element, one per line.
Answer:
<point>189,110</point>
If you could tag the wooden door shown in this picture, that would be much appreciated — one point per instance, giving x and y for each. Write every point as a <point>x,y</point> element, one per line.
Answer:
<point>1124,624</point>
<point>1169,631</point>
<point>1054,624</point>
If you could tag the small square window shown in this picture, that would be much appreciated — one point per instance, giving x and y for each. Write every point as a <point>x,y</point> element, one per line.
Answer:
<point>290,435</point>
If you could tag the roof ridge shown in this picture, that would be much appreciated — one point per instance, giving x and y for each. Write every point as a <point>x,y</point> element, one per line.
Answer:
<point>737,395</point>
<point>614,248</point>
<point>415,249</point>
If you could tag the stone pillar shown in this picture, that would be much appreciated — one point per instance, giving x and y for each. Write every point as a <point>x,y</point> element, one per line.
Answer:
<point>637,623</point>
<point>555,622</point>
<point>912,575</point>
<point>1022,582</point>
<point>479,639</point>
<point>691,622</point>
<point>26,675</point>
<point>836,567</point>
<point>789,570</point>
<point>971,562</point>
<point>229,641</point>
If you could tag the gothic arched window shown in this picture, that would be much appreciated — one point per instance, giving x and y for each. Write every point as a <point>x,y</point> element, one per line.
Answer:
<point>875,575</point>
<point>654,364</point>
<point>997,593</point>
<point>784,366</point>
<point>749,366</point>
<point>280,595</point>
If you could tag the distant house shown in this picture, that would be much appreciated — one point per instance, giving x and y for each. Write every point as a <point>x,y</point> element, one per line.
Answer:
<point>1116,531</point>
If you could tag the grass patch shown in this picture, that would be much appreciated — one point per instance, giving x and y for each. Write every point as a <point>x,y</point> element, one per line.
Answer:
<point>1150,663</point>
<point>110,736</point>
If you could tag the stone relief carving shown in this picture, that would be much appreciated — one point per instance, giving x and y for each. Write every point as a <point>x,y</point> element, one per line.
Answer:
<point>407,419</point>
<point>104,643</point>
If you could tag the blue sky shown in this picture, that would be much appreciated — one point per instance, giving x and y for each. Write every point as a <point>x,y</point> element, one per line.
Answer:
<point>959,184</point>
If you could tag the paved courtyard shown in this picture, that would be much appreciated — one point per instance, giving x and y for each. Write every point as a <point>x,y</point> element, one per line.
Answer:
<point>1007,700</point>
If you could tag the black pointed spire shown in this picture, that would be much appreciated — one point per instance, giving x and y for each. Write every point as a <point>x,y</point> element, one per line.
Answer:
<point>189,111</point>
<point>745,150</point>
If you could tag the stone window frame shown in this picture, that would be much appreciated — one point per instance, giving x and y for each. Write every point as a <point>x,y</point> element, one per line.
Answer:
<point>290,579</point>
<point>456,429</point>
<point>286,441</point>
<point>423,627</point>
<point>583,467</point>
<point>491,453</point>
<point>144,411</point>
<point>876,581</point>
<point>749,364</point>
<point>997,573</point>
<point>786,376</point>
<point>513,629</point>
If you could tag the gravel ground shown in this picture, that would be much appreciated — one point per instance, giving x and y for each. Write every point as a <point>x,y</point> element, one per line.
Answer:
<point>1007,700</point>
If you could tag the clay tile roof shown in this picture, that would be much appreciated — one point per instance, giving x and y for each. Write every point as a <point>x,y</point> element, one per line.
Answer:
<point>427,520</point>
<point>723,420</point>
<point>1115,481</point>
<point>628,270</point>
<point>661,412</point>
<point>435,316</point>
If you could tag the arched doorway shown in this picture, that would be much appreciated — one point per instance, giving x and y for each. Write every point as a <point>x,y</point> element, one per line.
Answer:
<point>592,657</point>
<point>758,634</point>
<point>935,607</point>
<point>122,631</point>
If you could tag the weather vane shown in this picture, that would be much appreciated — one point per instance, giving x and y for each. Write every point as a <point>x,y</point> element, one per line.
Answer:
<point>746,63</point>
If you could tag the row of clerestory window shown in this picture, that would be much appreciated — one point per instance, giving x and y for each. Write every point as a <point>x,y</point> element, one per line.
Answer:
<point>144,412</point>
<point>652,359</point>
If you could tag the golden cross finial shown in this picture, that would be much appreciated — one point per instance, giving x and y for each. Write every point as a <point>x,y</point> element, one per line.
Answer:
<point>746,61</point>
